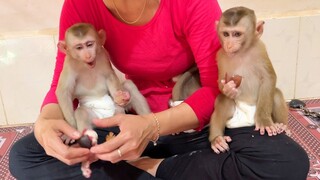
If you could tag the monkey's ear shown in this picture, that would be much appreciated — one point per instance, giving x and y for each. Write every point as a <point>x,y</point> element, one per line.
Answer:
<point>259,28</point>
<point>62,46</point>
<point>102,36</point>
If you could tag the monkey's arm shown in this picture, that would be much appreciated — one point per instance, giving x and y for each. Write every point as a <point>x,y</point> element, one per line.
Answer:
<point>115,88</point>
<point>64,93</point>
<point>113,83</point>
<point>224,109</point>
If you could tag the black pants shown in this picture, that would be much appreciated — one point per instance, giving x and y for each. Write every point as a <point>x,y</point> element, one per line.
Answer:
<point>252,156</point>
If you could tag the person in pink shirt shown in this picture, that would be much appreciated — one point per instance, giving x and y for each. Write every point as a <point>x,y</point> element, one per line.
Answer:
<point>150,42</point>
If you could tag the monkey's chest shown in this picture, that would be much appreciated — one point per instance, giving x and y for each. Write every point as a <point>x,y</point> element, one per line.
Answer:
<point>250,79</point>
<point>91,86</point>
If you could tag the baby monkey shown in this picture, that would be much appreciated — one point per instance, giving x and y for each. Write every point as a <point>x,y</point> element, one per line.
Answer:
<point>243,58</point>
<point>186,84</point>
<point>88,76</point>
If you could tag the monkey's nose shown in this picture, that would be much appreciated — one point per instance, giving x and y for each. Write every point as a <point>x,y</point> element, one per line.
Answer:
<point>229,46</point>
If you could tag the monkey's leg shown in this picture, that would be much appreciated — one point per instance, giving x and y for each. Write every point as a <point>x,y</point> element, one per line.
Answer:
<point>84,116</point>
<point>137,100</point>
<point>263,115</point>
<point>280,110</point>
<point>224,109</point>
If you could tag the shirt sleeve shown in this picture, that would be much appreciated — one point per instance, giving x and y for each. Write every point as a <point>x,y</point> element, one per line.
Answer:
<point>201,35</point>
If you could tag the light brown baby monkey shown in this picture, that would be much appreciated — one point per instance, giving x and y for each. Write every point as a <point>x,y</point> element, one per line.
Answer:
<point>88,76</point>
<point>243,58</point>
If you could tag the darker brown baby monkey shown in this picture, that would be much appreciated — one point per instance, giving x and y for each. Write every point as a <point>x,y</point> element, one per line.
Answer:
<point>243,57</point>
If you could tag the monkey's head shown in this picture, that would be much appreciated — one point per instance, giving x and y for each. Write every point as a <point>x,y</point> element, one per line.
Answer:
<point>83,43</point>
<point>237,30</point>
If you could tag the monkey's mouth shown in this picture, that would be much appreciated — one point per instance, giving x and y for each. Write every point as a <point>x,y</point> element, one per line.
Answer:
<point>91,64</point>
<point>231,54</point>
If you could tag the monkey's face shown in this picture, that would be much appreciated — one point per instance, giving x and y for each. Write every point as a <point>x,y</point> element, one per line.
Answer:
<point>84,50</point>
<point>232,39</point>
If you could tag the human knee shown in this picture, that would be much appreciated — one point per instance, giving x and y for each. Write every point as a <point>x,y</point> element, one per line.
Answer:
<point>22,154</point>
<point>15,157</point>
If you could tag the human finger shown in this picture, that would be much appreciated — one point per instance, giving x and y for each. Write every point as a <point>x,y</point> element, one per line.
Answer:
<point>108,146</point>
<point>68,130</point>
<point>129,152</point>
<point>54,145</point>
<point>108,122</point>
<point>67,154</point>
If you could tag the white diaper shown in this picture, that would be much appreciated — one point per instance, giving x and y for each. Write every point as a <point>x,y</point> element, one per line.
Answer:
<point>243,116</point>
<point>103,107</point>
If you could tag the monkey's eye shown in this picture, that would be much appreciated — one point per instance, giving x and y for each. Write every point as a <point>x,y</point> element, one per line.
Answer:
<point>237,34</point>
<point>90,44</point>
<point>225,34</point>
<point>79,47</point>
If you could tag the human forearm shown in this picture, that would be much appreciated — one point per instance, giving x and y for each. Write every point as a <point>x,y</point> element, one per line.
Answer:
<point>175,119</point>
<point>48,113</point>
<point>51,111</point>
<point>202,103</point>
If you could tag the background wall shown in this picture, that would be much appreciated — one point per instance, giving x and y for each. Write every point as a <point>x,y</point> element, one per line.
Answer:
<point>28,37</point>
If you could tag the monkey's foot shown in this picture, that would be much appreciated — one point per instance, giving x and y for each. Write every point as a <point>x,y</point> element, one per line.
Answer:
<point>122,98</point>
<point>88,139</point>
<point>85,168</point>
<point>272,130</point>
<point>281,127</point>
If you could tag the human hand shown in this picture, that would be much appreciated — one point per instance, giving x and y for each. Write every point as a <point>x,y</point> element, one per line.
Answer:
<point>220,144</point>
<point>48,133</point>
<point>135,133</point>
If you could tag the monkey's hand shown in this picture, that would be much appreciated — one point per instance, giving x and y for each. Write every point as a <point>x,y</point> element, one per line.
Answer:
<point>220,144</point>
<point>229,89</point>
<point>121,98</point>
<point>272,130</point>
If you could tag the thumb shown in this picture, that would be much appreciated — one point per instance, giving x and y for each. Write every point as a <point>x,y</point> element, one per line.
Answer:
<point>68,130</point>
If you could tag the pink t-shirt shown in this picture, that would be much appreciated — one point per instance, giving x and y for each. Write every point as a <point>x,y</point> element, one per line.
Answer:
<point>180,33</point>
